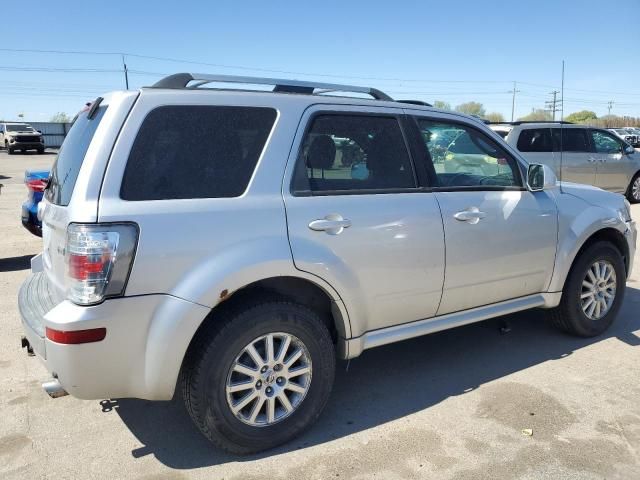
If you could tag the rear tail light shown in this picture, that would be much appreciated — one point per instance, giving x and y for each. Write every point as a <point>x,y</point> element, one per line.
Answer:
<point>36,185</point>
<point>98,258</point>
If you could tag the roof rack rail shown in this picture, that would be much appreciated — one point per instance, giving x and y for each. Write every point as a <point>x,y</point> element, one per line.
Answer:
<point>520,122</point>
<point>182,80</point>
<point>415,102</point>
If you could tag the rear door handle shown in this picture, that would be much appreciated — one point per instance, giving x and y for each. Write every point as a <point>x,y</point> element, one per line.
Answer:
<point>471,215</point>
<point>332,224</point>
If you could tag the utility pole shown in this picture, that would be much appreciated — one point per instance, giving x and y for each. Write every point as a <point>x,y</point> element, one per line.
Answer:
<point>610,106</point>
<point>553,105</point>
<point>513,100</point>
<point>126,73</point>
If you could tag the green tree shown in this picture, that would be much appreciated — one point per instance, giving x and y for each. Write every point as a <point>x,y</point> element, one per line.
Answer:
<point>537,114</point>
<point>494,117</point>
<point>442,105</point>
<point>60,117</point>
<point>583,116</point>
<point>471,108</point>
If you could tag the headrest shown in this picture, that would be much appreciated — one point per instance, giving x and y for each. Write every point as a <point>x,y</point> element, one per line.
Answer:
<point>322,153</point>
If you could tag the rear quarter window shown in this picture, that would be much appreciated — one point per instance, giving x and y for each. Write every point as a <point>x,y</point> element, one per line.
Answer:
<point>196,152</point>
<point>535,140</point>
<point>66,166</point>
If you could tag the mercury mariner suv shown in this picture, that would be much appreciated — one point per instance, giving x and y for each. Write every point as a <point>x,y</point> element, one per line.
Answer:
<point>231,244</point>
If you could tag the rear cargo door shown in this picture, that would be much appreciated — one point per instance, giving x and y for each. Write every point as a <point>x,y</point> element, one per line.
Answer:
<point>76,177</point>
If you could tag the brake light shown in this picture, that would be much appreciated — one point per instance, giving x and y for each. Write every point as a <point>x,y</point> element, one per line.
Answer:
<point>36,185</point>
<point>98,259</point>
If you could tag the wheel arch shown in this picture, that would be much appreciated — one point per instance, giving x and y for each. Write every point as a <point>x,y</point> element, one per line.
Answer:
<point>607,234</point>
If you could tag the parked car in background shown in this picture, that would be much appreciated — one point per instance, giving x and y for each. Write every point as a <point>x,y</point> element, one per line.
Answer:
<point>35,181</point>
<point>593,156</point>
<point>299,257</point>
<point>634,131</point>
<point>20,137</point>
<point>625,135</point>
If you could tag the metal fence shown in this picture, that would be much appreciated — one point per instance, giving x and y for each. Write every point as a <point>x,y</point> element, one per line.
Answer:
<point>54,133</point>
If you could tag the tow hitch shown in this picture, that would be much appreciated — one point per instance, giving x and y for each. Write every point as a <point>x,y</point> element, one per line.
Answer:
<point>25,344</point>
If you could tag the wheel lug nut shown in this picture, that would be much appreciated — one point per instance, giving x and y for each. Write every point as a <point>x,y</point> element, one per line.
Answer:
<point>277,368</point>
<point>269,389</point>
<point>258,384</point>
<point>280,381</point>
<point>263,369</point>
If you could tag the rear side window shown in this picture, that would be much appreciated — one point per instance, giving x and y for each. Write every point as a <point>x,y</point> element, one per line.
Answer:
<point>350,152</point>
<point>573,140</point>
<point>196,152</point>
<point>535,140</point>
<point>66,167</point>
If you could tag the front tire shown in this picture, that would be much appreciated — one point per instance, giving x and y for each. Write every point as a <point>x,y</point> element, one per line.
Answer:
<point>258,376</point>
<point>633,194</point>
<point>593,292</point>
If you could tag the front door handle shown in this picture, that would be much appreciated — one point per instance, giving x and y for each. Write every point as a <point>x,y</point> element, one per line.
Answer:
<point>333,224</point>
<point>471,215</point>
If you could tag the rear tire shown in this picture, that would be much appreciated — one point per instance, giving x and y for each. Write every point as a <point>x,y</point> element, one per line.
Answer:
<point>10,150</point>
<point>210,373</point>
<point>41,151</point>
<point>633,193</point>
<point>576,313</point>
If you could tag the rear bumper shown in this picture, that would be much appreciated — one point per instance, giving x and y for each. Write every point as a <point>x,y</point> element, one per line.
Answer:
<point>141,355</point>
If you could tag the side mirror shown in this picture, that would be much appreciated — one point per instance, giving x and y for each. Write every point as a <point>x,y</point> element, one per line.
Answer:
<point>628,150</point>
<point>540,177</point>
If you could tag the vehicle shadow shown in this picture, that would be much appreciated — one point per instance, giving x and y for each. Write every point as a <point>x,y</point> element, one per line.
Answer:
<point>430,369</point>
<point>13,264</point>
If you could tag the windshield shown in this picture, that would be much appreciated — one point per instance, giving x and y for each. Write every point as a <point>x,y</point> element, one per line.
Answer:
<point>19,127</point>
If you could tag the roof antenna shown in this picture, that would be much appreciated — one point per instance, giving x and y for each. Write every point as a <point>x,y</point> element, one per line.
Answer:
<point>561,123</point>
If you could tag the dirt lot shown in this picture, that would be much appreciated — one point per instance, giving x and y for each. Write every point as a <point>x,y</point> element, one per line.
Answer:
<point>449,405</point>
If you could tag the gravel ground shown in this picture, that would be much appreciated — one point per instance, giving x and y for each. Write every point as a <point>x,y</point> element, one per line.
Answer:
<point>449,405</point>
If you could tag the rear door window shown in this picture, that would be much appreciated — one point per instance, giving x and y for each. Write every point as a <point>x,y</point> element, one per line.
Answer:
<point>196,152</point>
<point>349,153</point>
<point>66,166</point>
<point>573,140</point>
<point>535,140</point>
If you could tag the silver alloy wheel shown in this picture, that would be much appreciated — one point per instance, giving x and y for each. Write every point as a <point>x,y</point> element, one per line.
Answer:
<point>269,379</point>
<point>598,290</point>
<point>635,189</point>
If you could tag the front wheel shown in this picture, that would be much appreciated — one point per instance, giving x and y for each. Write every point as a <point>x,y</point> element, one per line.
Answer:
<point>593,292</point>
<point>259,376</point>
<point>633,194</point>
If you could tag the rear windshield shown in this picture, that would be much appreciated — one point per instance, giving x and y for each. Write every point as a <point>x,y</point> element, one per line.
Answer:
<point>196,152</point>
<point>66,167</point>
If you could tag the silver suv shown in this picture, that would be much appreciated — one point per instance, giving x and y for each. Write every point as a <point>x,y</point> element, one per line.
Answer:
<point>231,244</point>
<point>593,156</point>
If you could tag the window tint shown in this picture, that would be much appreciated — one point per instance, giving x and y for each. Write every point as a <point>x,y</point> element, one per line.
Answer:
<point>66,167</point>
<point>464,157</point>
<point>196,152</point>
<point>535,140</point>
<point>573,140</point>
<point>605,142</point>
<point>353,152</point>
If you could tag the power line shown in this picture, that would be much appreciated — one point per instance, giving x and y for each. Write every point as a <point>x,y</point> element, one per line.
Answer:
<point>553,105</point>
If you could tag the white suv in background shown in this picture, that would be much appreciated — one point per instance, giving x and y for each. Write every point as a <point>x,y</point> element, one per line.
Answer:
<point>626,135</point>
<point>590,155</point>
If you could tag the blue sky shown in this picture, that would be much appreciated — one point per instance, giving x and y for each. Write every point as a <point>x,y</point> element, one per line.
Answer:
<point>455,51</point>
